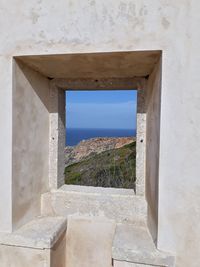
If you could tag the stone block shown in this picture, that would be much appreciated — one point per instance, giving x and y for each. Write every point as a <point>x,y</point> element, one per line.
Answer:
<point>121,205</point>
<point>89,242</point>
<point>40,243</point>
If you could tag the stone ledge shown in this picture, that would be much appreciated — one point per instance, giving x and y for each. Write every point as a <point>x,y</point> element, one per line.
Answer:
<point>97,190</point>
<point>135,245</point>
<point>121,205</point>
<point>41,233</point>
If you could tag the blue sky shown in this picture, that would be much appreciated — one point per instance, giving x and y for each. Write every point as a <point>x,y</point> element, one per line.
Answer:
<point>101,109</point>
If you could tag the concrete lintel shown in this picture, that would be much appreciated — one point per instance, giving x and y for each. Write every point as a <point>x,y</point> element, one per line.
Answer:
<point>99,84</point>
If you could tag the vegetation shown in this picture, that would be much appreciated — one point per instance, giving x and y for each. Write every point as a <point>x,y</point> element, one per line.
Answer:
<point>111,168</point>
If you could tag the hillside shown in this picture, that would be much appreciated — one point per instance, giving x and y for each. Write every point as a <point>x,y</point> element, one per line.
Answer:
<point>93,146</point>
<point>111,168</point>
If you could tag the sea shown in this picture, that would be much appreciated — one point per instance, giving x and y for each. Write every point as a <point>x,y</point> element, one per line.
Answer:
<point>75,135</point>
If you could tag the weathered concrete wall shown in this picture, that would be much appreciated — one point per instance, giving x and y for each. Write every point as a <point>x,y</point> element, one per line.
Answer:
<point>30,143</point>
<point>48,27</point>
<point>153,101</point>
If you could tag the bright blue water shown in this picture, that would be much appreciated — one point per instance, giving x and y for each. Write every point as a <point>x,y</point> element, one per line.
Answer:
<point>74,136</point>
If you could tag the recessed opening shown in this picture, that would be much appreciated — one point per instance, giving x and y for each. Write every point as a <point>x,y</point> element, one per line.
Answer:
<point>38,98</point>
<point>101,138</point>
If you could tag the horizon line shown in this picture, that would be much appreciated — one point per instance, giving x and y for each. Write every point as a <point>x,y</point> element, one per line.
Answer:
<point>91,128</point>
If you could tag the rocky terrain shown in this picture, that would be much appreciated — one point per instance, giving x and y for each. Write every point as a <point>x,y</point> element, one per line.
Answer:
<point>93,146</point>
<point>105,162</point>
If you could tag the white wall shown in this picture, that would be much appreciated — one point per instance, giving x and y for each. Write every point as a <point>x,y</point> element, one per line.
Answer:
<point>49,27</point>
<point>153,101</point>
<point>5,144</point>
<point>30,143</point>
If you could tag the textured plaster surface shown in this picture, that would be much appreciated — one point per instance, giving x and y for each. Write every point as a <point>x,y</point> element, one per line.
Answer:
<point>89,242</point>
<point>121,207</point>
<point>48,27</point>
<point>30,143</point>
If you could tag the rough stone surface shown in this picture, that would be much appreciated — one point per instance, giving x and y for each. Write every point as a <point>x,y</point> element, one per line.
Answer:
<point>129,83</point>
<point>56,137</point>
<point>41,233</point>
<point>120,205</point>
<point>141,140</point>
<point>130,264</point>
<point>87,148</point>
